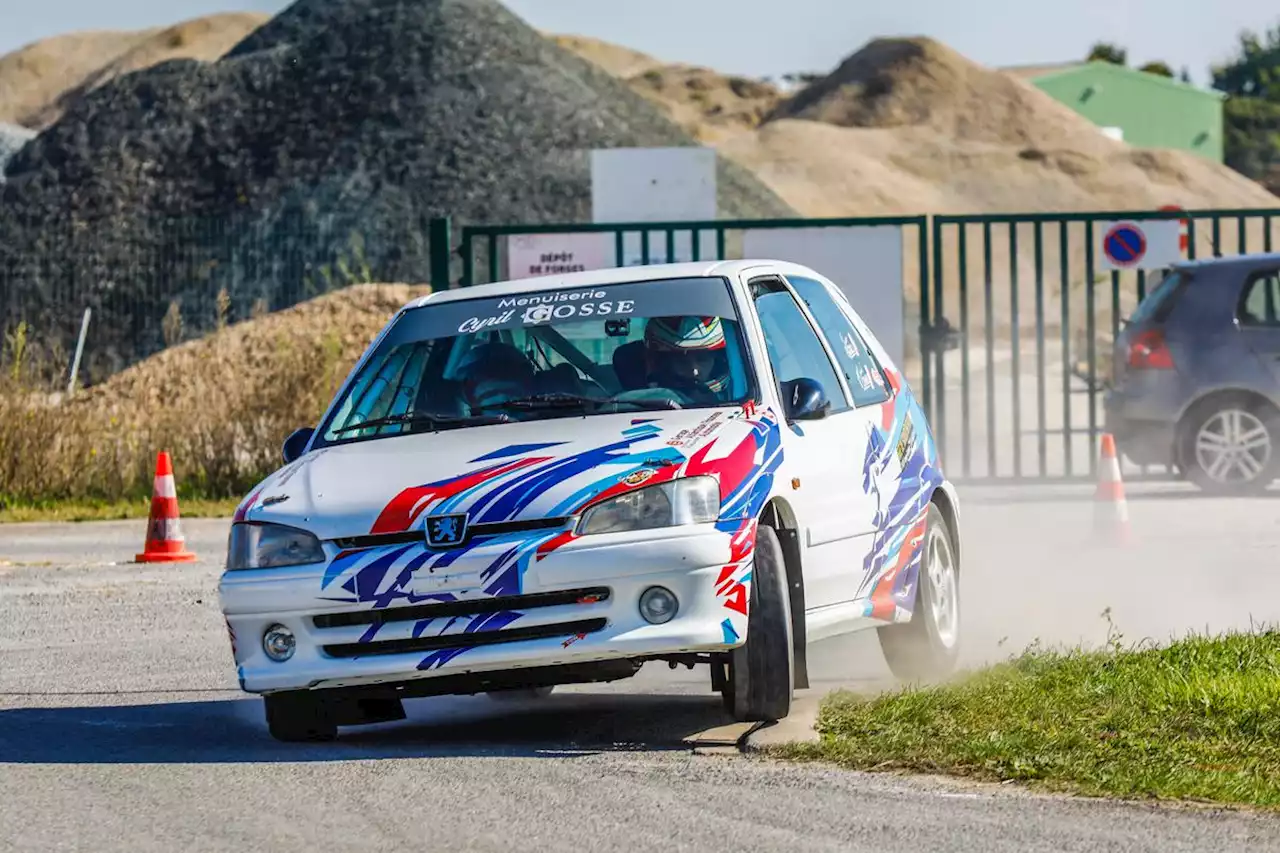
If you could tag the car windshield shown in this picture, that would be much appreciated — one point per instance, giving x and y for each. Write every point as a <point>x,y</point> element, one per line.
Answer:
<point>667,344</point>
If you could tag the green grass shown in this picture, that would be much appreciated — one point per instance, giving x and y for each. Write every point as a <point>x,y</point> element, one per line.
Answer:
<point>113,510</point>
<point>1198,719</point>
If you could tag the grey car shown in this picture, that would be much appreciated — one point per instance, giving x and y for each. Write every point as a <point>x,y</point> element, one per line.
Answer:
<point>1196,379</point>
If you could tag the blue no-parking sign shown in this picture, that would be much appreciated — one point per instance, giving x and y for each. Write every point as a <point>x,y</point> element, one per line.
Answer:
<point>1137,245</point>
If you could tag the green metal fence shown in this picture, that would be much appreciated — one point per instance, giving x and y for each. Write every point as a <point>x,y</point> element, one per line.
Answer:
<point>1021,397</point>
<point>1018,399</point>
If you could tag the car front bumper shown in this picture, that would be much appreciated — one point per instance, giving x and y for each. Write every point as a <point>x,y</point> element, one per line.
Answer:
<point>337,647</point>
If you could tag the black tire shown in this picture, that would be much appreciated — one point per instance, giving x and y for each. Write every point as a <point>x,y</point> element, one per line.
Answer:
<point>520,694</point>
<point>759,683</point>
<point>1206,412</point>
<point>299,716</point>
<point>919,650</point>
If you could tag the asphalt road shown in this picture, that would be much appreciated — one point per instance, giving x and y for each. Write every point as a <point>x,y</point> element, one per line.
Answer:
<point>121,726</point>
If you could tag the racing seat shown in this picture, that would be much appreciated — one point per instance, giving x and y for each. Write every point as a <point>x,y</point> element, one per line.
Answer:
<point>628,364</point>
<point>560,379</point>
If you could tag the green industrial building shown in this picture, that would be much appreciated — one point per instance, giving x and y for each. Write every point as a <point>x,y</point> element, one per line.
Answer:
<point>1145,110</point>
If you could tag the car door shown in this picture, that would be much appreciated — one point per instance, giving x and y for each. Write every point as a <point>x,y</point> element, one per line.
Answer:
<point>1258,317</point>
<point>870,391</point>
<point>831,510</point>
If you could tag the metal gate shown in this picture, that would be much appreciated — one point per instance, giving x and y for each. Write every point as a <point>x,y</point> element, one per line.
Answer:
<point>1019,397</point>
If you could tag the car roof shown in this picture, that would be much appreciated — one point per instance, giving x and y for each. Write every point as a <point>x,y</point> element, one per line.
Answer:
<point>1251,260</point>
<point>612,275</point>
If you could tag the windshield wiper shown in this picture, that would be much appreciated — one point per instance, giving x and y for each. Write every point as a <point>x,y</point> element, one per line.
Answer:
<point>434,420</point>
<point>547,401</point>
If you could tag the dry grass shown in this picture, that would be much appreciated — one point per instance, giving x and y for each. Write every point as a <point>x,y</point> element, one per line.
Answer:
<point>38,81</point>
<point>221,405</point>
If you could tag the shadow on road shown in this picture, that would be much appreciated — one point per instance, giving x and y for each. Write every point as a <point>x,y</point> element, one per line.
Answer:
<point>1010,495</point>
<point>234,731</point>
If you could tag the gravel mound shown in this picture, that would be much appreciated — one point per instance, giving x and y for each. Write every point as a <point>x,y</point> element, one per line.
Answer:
<point>327,137</point>
<point>12,138</point>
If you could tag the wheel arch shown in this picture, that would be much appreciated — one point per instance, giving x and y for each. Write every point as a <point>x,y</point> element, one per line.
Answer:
<point>944,499</point>
<point>1219,394</point>
<point>779,516</point>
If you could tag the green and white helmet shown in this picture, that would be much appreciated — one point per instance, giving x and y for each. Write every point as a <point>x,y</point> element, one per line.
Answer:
<point>669,338</point>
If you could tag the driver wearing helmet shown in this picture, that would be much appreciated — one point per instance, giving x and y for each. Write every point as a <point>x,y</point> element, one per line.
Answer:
<point>685,355</point>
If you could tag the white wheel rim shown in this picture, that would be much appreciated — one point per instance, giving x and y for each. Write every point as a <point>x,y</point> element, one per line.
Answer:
<point>944,597</point>
<point>1233,446</point>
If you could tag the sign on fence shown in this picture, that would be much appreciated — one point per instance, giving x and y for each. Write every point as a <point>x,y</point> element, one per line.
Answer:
<point>530,255</point>
<point>1149,245</point>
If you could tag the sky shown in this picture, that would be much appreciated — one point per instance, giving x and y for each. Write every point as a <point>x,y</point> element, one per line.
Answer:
<point>769,38</point>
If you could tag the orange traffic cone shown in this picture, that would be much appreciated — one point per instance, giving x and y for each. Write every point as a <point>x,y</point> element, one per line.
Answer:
<point>165,543</point>
<point>1111,511</point>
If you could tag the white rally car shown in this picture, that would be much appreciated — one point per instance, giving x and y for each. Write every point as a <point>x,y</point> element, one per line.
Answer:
<point>555,480</point>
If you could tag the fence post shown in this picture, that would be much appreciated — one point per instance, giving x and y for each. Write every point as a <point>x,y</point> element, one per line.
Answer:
<point>75,364</point>
<point>440,245</point>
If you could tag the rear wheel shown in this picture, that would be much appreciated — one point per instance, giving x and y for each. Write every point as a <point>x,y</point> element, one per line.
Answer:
<point>299,716</point>
<point>1227,445</point>
<point>758,682</point>
<point>926,647</point>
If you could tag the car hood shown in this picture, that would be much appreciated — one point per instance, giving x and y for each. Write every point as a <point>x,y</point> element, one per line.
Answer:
<point>508,472</point>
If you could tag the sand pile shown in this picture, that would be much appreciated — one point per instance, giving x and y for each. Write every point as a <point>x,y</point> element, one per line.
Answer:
<point>920,83</point>
<point>711,106</point>
<point>909,126</point>
<point>244,356</point>
<point>38,81</point>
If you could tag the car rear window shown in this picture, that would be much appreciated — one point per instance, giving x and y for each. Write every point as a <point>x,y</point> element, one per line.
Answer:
<point>1159,300</point>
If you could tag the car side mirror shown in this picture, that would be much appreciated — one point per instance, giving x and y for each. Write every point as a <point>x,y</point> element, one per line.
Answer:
<point>296,443</point>
<point>805,400</point>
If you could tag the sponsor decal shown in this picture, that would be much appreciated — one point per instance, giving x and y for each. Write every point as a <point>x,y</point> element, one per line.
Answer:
<point>571,640</point>
<point>535,314</point>
<point>907,442</point>
<point>865,377</point>
<point>471,325</point>
<point>546,307</point>
<point>687,437</point>
<point>850,345</point>
<point>635,478</point>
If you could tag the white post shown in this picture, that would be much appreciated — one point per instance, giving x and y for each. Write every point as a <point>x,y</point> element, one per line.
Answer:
<point>75,364</point>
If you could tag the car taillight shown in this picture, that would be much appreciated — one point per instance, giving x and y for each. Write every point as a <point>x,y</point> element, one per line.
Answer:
<point>1147,351</point>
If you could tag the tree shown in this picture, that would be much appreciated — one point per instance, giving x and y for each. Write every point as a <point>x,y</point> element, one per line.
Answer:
<point>1158,67</point>
<point>1255,71</point>
<point>1185,75</point>
<point>1251,115</point>
<point>1108,52</point>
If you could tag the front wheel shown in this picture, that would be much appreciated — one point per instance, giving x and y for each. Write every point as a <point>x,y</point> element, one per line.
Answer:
<point>759,682</point>
<point>926,647</point>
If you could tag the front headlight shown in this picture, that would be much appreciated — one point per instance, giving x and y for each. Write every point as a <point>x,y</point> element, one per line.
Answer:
<point>690,500</point>
<point>269,546</point>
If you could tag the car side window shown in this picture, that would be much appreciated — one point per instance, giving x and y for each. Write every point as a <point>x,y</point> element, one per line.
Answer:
<point>861,368</point>
<point>795,350</point>
<point>1260,300</point>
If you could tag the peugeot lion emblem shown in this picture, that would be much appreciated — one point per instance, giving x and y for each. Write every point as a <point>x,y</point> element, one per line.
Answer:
<point>446,531</point>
